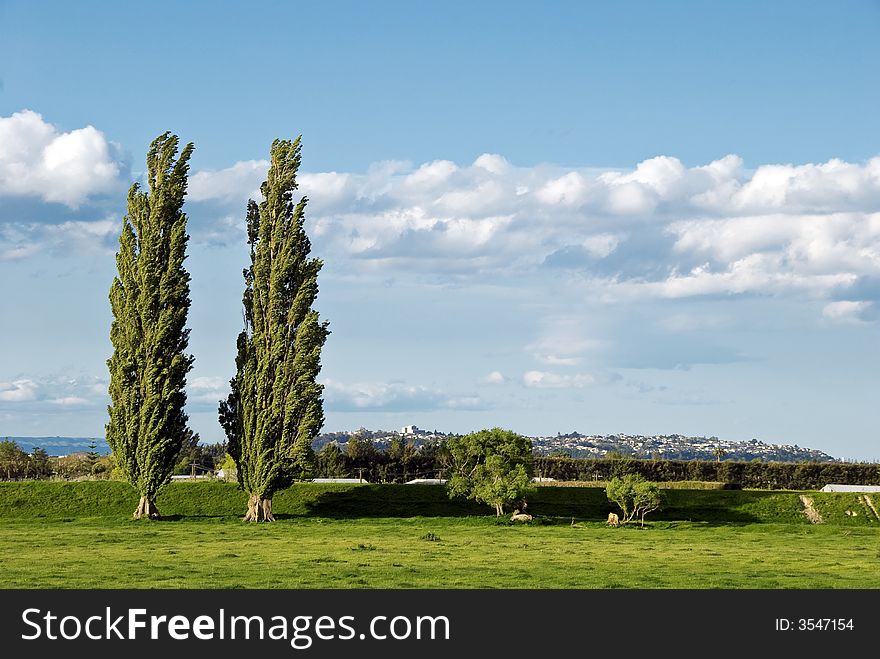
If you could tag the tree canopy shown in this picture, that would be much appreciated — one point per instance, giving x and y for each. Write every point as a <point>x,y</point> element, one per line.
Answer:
<point>635,496</point>
<point>491,466</point>
<point>149,299</point>
<point>274,409</point>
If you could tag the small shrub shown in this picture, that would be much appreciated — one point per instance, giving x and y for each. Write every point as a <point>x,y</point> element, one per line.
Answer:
<point>635,496</point>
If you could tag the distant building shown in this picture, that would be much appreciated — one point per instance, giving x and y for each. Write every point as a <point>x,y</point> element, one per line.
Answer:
<point>836,487</point>
<point>410,430</point>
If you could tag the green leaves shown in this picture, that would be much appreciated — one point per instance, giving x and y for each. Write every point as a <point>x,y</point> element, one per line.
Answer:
<point>275,409</point>
<point>149,300</point>
<point>635,496</point>
<point>490,466</point>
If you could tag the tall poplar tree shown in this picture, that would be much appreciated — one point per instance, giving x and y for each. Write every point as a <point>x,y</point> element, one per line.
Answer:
<point>150,300</point>
<point>274,410</point>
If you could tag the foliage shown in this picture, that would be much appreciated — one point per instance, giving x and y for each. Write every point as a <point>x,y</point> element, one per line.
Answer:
<point>360,450</point>
<point>635,496</point>
<point>201,458</point>
<point>763,475</point>
<point>490,466</point>
<point>15,464</point>
<point>330,462</point>
<point>621,464</point>
<point>150,300</point>
<point>40,465</point>
<point>227,465</point>
<point>274,410</point>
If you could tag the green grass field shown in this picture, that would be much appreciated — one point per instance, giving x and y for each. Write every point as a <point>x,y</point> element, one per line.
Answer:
<point>61,535</point>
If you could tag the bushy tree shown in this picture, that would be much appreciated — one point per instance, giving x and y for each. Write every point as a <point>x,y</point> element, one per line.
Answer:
<point>150,300</point>
<point>635,496</point>
<point>274,410</point>
<point>331,462</point>
<point>13,460</point>
<point>39,463</point>
<point>490,466</point>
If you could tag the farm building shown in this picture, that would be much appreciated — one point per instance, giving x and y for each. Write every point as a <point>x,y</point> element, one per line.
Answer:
<point>834,487</point>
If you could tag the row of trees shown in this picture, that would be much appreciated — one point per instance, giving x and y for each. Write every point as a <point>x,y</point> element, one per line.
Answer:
<point>490,466</point>
<point>17,464</point>
<point>274,409</point>
<point>759,475</point>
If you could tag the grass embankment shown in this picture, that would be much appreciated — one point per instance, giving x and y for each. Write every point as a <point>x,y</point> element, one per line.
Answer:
<point>54,500</point>
<point>384,536</point>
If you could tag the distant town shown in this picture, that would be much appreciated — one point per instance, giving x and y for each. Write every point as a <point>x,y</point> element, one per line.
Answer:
<point>577,445</point>
<point>573,444</point>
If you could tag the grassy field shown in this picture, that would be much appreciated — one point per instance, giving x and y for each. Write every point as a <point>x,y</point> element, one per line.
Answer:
<point>376,536</point>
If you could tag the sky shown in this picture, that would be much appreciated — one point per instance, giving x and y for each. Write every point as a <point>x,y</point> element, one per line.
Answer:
<point>640,217</point>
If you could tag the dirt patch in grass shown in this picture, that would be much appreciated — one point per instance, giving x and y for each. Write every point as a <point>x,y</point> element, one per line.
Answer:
<point>810,510</point>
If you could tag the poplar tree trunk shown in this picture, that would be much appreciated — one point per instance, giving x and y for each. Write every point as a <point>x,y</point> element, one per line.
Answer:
<point>259,509</point>
<point>146,508</point>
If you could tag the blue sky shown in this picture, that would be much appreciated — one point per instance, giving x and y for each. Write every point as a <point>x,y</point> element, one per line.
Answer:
<point>648,218</point>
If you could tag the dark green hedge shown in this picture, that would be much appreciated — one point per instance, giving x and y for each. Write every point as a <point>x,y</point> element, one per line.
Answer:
<point>767,475</point>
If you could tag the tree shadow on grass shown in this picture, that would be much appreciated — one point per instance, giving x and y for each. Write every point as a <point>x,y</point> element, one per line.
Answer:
<point>550,504</point>
<point>373,500</point>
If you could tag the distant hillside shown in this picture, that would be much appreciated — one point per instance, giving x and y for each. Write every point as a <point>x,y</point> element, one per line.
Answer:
<point>61,445</point>
<point>577,445</point>
<point>675,447</point>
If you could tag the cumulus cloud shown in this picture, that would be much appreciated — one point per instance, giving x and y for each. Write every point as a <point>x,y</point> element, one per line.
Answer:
<point>548,380</point>
<point>849,311</point>
<point>58,390</point>
<point>393,397</point>
<point>39,160</point>
<point>495,377</point>
<point>18,391</point>
<point>563,341</point>
<point>70,401</point>
<point>206,391</point>
<point>660,229</point>
<point>234,184</point>
<point>20,241</point>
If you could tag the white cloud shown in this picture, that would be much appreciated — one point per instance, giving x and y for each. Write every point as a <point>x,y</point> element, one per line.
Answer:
<point>234,184</point>
<point>431,174</point>
<point>37,160</point>
<point>492,163</point>
<point>659,229</point>
<point>70,401</point>
<point>546,380</point>
<point>393,397</point>
<point>563,341</point>
<point>58,390</point>
<point>17,252</point>
<point>207,389</point>
<point>75,237</point>
<point>569,189</point>
<point>602,244</point>
<point>495,377</point>
<point>847,311</point>
<point>18,391</point>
